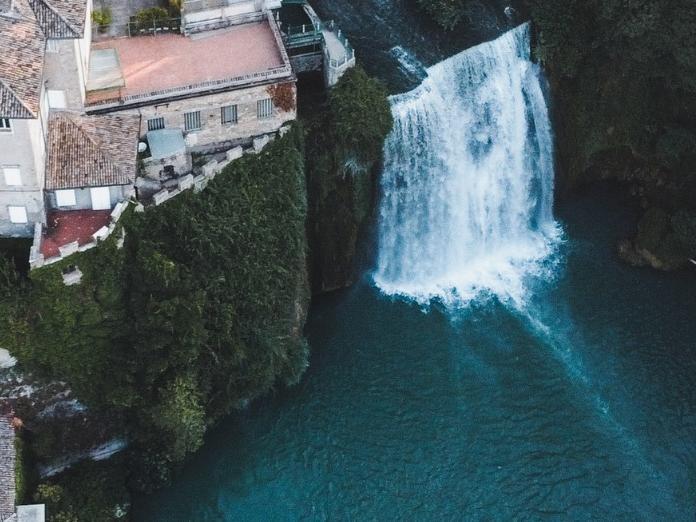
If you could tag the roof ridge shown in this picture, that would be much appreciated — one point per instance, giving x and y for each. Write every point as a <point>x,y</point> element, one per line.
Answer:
<point>16,97</point>
<point>55,10</point>
<point>52,9</point>
<point>93,140</point>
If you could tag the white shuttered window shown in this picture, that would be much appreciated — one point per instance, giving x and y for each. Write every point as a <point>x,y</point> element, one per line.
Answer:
<point>12,175</point>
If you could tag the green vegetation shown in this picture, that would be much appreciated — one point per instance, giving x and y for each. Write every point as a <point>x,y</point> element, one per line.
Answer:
<point>344,148</point>
<point>447,13</point>
<point>90,490</point>
<point>25,474</point>
<point>102,18</point>
<point>199,312</point>
<point>150,17</point>
<point>624,83</point>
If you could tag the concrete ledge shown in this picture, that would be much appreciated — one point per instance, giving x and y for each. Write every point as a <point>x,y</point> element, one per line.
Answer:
<point>234,153</point>
<point>261,142</point>
<point>68,249</point>
<point>186,182</point>
<point>160,197</point>
<point>102,233</point>
<point>87,246</point>
<point>211,168</point>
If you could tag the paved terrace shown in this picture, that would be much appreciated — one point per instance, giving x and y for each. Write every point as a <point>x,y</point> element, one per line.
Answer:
<point>151,64</point>
<point>64,227</point>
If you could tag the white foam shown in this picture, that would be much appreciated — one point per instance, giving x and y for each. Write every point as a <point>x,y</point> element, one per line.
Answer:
<point>467,189</point>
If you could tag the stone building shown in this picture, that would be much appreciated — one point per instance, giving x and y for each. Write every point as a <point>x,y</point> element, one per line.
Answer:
<point>218,89</point>
<point>93,162</point>
<point>72,111</point>
<point>44,59</point>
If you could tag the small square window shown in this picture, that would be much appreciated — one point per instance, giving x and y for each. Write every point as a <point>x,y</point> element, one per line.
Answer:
<point>155,124</point>
<point>18,214</point>
<point>229,115</point>
<point>57,100</point>
<point>264,108</point>
<point>192,121</point>
<point>65,198</point>
<point>5,125</point>
<point>13,177</point>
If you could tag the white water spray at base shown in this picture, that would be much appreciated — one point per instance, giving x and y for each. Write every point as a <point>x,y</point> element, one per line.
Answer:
<point>467,189</point>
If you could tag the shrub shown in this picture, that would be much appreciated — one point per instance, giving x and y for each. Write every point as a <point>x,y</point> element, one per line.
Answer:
<point>361,116</point>
<point>151,17</point>
<point>102,18</point>
<point>283,96</point>
<point>90,491</point>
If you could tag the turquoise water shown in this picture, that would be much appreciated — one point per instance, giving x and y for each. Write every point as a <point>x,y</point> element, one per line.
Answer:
<point>578,404</point>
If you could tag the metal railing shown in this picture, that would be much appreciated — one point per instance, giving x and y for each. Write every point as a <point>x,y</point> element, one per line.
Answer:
<point>136,28</point>
<point>293,30</point>
<point>194,6</point>
<point>276,73</point>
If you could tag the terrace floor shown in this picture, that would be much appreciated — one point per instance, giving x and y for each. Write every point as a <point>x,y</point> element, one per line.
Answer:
<point>66,226</point>
<point>167,61</point>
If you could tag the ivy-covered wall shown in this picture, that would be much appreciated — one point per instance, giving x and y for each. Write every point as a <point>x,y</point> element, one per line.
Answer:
<point>201,311</point>
<point>344,152</point>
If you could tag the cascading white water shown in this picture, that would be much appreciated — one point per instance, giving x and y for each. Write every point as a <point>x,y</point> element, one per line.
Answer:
<point>467,189</point>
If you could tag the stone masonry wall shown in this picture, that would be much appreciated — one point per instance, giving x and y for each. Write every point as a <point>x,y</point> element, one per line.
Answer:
<point>212,129</point>
<point>7,467</point>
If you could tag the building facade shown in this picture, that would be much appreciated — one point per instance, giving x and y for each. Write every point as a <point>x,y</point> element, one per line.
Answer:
<point>73,110</point>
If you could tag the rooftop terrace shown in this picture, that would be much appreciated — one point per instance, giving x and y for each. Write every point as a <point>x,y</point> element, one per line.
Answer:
<point>66,226</point>
<point>166,64</point>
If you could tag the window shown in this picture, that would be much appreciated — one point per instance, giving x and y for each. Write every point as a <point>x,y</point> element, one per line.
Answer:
<point>65,198</point>
<point>264,108</point>
<point>56,100</point>
<point>18,214</point>
<point>51,46</point>
<point>13,177</point>
<point>229,114</point>
<point>5,125</point>
<point>192,121</point>
<point>155,124</point>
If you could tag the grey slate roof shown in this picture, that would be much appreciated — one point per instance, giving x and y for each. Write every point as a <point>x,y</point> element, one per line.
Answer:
<point>24,27</point>
<point>91,151</point>
<point>61,18</point>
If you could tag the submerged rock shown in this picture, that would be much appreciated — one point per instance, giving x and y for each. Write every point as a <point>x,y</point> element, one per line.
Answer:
<point>655,245</point>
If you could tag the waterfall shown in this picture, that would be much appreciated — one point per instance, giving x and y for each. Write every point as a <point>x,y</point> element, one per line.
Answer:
<point>467,188</point>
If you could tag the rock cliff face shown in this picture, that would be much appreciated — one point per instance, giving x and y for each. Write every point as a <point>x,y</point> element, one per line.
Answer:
<point>623,84</point>
<point>623,95</point>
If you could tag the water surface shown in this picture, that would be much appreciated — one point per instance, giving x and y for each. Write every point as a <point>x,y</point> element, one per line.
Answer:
<point>582,406</point>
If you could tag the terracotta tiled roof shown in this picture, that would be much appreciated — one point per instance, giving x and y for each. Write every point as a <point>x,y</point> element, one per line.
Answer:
<point>21,62</point>
<point>91,151</point>
<point>24,27</point>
